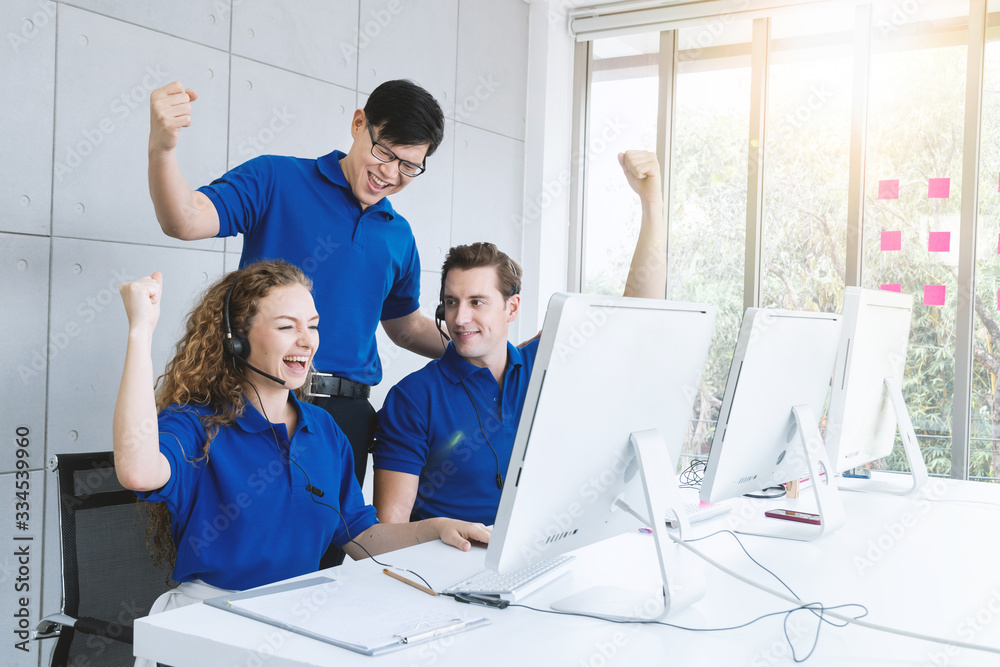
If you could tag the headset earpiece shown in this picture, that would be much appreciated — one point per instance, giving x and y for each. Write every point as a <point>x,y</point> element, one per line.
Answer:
<point>235,343</point>
<point>439,312</point>
<point>239,345</point>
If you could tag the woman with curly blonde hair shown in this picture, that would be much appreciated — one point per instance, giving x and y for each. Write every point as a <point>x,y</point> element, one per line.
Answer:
<point>255,484</point>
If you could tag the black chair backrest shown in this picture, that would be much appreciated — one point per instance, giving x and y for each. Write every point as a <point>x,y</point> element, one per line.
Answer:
<point>109,578</point>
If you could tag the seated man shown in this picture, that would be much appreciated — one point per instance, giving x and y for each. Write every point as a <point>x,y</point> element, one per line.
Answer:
<point>445,432</point>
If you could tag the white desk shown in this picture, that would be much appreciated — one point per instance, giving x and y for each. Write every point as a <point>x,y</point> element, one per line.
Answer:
<point>917,564</point>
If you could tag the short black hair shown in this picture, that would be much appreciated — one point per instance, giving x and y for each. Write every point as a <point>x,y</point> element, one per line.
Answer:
<point>406,115</point>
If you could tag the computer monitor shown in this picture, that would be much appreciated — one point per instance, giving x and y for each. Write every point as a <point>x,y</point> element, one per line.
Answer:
<point>866,404</point>
<point>608,406</point>
<point>768,429</point>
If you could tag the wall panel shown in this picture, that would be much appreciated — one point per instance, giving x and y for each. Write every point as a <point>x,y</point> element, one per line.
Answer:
<point>85,279</point>
<point>410,39</point>
<point>317,38</point>
<point>275,112</point>
<point>102,124</point>
<point>487,208</point>
<point>24,274</point>
<point>27,65</point>
<point>492,66</point>
<point>202,21</point>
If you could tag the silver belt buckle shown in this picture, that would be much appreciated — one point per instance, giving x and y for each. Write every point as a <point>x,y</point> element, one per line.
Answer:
<point>312,376</point>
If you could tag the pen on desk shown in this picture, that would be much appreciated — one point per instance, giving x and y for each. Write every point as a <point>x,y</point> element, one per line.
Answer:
<point>444,629</point>
<point>419,587</point>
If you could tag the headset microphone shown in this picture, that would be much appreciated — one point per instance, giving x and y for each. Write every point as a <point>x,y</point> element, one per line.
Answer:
<point>315,491</point>
<point>257,370</point>
<point>236,343</point>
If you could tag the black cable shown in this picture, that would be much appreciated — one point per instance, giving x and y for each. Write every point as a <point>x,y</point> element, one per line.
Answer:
<point>312,489</point>
<point>761,566</point>
<point>816,608</point>
<point>693,476</point>
<point>763,495</point>
<point>499,478</point>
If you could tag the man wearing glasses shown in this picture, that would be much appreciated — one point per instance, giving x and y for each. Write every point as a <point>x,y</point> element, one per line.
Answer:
<point>329,216</point>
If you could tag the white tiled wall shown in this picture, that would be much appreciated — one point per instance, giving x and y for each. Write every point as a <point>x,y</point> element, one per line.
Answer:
<point>272,77</point>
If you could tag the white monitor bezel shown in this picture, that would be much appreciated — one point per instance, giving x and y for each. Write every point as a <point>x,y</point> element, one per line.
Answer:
<point>861,422</point>
<point>548,505</point>
<point>783,358</point>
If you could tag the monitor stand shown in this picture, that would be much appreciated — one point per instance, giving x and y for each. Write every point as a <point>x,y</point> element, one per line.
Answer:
<point>683,580</point>
<point>828,504</point>
<point>911,448</point>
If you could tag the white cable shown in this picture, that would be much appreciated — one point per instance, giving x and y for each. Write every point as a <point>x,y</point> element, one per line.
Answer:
<point>961,500</point>
<point>841,617</point>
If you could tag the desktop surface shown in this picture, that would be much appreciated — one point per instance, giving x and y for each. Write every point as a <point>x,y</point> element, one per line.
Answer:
<point>919,563</point>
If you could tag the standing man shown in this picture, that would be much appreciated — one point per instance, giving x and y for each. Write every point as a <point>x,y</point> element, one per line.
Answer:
<point>446,432</point>
<point>330,217</point>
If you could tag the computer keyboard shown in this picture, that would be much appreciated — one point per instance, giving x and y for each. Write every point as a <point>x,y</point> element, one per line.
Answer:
<point>698,511</point>
<point>513,586</point>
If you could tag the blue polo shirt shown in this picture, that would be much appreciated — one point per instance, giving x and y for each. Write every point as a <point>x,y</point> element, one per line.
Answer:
<point>243,518</point>
<point>363,264</point>
<point>428,427</point>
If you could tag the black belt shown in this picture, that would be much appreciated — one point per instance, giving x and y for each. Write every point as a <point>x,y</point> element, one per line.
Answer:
<point>325,385</point>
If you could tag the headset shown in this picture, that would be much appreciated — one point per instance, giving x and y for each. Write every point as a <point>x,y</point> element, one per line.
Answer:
<point>236,344</point>
<point>438,318</point>
<point>439,311</point>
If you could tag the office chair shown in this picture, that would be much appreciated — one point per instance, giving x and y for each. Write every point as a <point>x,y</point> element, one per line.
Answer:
<point>108,576</point>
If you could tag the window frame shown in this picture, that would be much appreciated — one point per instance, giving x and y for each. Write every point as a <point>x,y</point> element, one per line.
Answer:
<point>979,20</point>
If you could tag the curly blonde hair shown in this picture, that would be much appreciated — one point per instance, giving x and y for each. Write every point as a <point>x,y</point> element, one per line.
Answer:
<point>203,373</point>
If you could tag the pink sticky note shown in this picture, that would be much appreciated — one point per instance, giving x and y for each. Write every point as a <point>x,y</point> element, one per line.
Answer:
<point>939,242</point>
<point>892,240</point>
<point>998,185</point>
<point>888,189</point>
<point>892,287</point>
<point>934,295</point>
<point>938,188</point>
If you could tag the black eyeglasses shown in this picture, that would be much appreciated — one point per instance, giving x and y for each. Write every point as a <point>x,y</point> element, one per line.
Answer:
<point>383,154</point>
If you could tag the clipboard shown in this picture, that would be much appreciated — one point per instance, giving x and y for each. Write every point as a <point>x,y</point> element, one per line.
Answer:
<point>348,614</point>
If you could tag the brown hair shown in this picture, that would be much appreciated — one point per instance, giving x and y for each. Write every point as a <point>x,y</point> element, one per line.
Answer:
<point>482,254</point>
<point>202,373</point>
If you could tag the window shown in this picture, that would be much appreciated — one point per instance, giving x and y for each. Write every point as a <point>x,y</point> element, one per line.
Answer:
<point>708,200</point>
<point>623,102</point>
<point>912,204</point>
<point>831,206</point>
<point>984,458</point>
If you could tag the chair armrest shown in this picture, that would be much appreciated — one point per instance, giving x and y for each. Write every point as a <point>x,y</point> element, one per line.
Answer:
<point>50,626</point>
